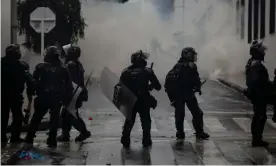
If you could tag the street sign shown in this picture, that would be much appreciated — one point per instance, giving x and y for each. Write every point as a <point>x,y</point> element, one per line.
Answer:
<point>42,20</point>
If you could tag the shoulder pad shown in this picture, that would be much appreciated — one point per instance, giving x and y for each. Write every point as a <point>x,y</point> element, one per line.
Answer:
<point>25,65</point>
<point>192,65</point>
<point>256,63</point>
<point>150,70</point>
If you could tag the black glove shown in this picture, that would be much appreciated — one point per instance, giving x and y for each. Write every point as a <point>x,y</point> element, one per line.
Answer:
<point>153,102</point>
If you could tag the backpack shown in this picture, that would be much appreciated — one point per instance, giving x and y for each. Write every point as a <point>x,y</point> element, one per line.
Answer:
<point>171,81</point>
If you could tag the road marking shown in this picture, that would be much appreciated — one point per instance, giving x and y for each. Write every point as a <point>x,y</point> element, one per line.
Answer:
<point>187,126</point>
<point>213,124</point>
<point>259,155</point>
<point>244,123</point>
<point>234,154</point>
<point>231,112</point>
<point>209,153</point>
<point>113,126</point>
<point>111,153</point>
<point>161,153</point>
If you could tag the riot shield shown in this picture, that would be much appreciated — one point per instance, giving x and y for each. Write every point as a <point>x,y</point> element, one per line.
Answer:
<point>117,93</point>
<point>71,108</point>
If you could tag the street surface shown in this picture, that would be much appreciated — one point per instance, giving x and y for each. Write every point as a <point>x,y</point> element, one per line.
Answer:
<point>227,118</point>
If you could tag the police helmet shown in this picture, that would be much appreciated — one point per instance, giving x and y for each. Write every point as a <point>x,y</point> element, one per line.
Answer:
<point>189,54</point>
<point>257,49</point>
<point>74,52</point>
<point>52,54</point>
<point>13,51</point>
<point>139,56</point>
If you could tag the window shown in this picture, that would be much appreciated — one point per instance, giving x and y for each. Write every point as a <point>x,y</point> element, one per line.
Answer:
<point>272,17</point>
<point>249,21</point>
<point>242,18</point>
<point>262,35</point>
<point>237,16</point>
<point>256,19</point>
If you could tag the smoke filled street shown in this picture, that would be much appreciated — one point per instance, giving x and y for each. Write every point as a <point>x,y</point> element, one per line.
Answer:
<point>138,82</point>
<point>227,118</point>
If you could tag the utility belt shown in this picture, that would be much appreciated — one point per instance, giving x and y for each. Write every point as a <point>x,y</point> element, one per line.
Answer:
<point>270,96</point>
<point>148,99</point>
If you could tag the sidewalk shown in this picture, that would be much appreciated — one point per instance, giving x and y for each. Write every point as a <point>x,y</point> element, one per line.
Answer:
<point>236,82</point>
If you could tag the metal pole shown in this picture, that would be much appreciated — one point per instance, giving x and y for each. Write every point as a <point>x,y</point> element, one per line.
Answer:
<point>42,38</point>
<point>14,21</point>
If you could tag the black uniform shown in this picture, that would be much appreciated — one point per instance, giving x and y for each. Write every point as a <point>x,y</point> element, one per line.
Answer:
<point>257,81</point>
<point>273,96</point>
<point>53,87</point>
<point>186,83</point>
<point>76,71</point>
<point>137,78</point>
<point>15,74</point>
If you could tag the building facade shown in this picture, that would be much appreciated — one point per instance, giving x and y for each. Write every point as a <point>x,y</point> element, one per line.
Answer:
<point>255,20</point>
<point>5,25</point>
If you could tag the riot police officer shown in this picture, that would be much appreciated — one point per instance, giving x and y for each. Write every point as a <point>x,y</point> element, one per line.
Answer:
<point>15,74</point>
<point>139,79</point>
<point>76,71</point>
<point>181,84</point>
<point>273,98</point>
<point>53,87</point>
<point>257,81</point>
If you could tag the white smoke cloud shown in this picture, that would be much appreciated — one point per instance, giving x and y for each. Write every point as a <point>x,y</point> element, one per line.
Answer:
<point>116,30</point>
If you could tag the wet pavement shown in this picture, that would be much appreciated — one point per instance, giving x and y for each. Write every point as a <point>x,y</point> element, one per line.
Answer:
<point>227,118</point>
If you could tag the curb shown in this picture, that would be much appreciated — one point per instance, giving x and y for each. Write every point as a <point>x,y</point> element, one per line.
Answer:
<point>231,85</point>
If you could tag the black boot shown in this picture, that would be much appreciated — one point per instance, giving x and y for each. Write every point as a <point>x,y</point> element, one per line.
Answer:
<point>52,143</point>
<point>16,140</point>
<point>125,141</point>
<point>180,135</point>
<point>202,135</point>
<point>259,143</point>
<point>83,136</point>
<point>146,143</point>
<point>63,138</point>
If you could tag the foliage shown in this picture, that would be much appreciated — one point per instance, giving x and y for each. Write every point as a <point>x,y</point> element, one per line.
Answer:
<point>70,24</point>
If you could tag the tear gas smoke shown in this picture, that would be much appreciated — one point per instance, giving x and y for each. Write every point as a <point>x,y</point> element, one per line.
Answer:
<point>116,30</point>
